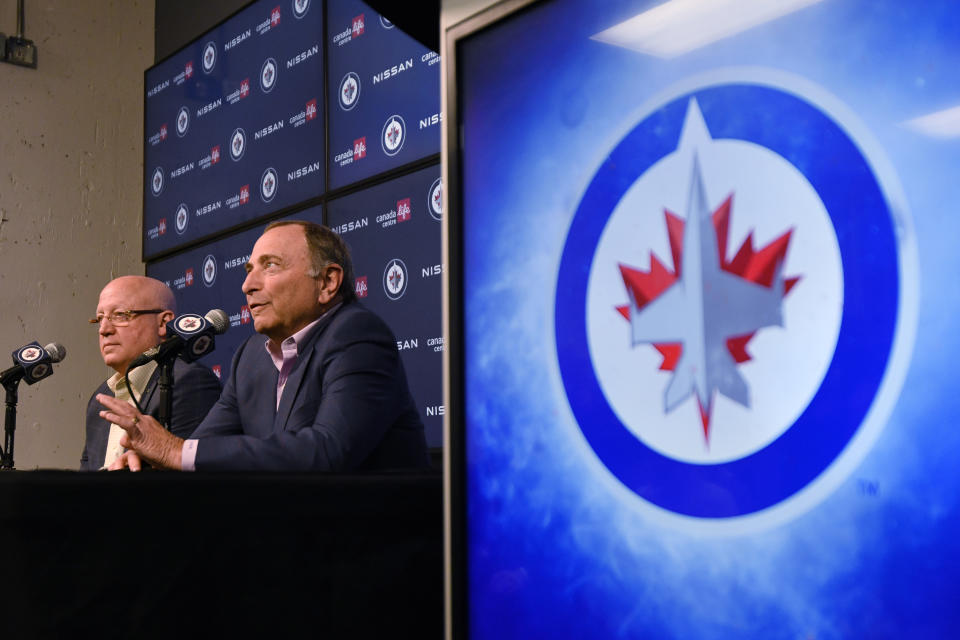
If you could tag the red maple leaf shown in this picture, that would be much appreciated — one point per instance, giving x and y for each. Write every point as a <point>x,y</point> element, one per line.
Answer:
<point>757,266</point>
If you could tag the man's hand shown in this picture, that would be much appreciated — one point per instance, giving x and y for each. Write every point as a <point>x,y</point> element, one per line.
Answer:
<point>145,436</point>
<point>129,460</point>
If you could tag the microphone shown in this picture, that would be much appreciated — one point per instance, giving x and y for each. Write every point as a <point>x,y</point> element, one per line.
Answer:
<point>33,362</point>
<point>190,336</point>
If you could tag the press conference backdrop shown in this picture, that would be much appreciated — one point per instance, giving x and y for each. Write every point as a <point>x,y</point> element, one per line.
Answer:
<point>716,404</point>
<point>234,125</point>
<point>235,136</point>
<point>393,230</point>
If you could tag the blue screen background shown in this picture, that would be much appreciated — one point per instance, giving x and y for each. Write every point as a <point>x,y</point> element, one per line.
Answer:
<point>557,546</point>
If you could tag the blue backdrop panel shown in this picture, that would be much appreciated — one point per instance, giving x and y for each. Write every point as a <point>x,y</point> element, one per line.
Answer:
<point>704,396</point>
<point>393,230</point>
<point>234,124</point>
<point>210,277</point>
<point>384,90</point>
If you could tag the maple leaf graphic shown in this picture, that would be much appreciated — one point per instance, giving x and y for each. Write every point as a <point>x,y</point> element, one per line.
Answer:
<point>757,266</point>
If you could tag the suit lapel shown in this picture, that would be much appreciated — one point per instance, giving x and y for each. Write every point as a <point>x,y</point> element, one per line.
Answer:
<point>291,390</point>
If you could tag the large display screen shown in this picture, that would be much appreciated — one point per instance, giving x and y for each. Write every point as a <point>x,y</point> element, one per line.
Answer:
<point>384,90</point>
<point>702,395</point>
<point>393,231</point>
<point>233,125</point>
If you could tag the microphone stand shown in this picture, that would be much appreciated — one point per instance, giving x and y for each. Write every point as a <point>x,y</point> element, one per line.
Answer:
<point>165,389</point>
<point>10,424</point>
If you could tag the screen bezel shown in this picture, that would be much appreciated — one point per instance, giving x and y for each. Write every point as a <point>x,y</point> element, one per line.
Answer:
<point>456,604</point>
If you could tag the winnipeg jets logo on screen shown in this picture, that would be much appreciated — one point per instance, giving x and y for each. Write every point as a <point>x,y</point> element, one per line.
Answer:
<point>182,217</point>
<point>268,184</point>
<point>209,270</point>
<point>183,121</point>
<point>435,199</point>
<point>349,91</point>
<point>156,181</point>
<point>238,144</point>
<point>732,295</point>
<point>209,59</point>
<point>268,75</point>
<point>386,24</point>
<point>300,8</point>
<point>395,279</point>
<point>393,135</point>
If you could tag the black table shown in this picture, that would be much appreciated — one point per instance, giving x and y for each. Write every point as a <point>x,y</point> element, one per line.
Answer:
<point>159,553</point>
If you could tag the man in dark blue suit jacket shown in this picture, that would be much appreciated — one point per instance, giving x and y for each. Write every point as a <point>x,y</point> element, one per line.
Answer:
<point>132,314</point>
<point>326,392</point>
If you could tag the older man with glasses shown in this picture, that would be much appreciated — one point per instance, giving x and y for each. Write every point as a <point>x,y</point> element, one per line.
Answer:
<point>132,316</point>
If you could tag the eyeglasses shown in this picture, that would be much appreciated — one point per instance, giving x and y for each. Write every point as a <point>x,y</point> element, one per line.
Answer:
<point>121,318</point>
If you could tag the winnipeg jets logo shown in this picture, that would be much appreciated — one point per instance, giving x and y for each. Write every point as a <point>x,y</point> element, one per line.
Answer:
<point>238,144</point>
<point>268,75</point>
<point>724,300</point>
<point>702,315</point>
<point>209,270</point>
<point>268,184</point>
<point>300,8</point>
<point>435,199</point>
<point>349,91</point>
<point>30,354</point>
<point>156,181</point>
<point>209,56</point>
<point>395,279</point>
<point>183,121</point>
<point>386,24</point>
<point>393,134</point>
<point>189,323</point>
<point>181,218</point>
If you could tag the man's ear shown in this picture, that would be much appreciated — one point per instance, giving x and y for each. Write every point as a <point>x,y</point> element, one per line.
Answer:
<point>328,283</point>
<point>165,317</point>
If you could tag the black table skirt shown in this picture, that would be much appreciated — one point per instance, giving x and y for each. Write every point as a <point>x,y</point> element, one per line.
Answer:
<point>159,554</point>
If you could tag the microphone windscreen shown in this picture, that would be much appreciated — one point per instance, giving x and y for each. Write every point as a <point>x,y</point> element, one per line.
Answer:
<point>56,351</point>
<point>219,319</point>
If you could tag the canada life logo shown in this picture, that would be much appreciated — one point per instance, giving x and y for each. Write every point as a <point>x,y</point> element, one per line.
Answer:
<point>209,270</point>
<point>349,92</point>
<point>730,356</point>
<point>403,210</point>
<point>275,16</point>
<point>360,148</point>
<point>395,279</point>
<point>188,277</point>
<point>357,27</point>
<point>183,121</point>
<point>311,110</point>
<point>188,69</point>
<point>268,75</point>
<point>268,184</point>
<point>393,135</point>
<point>215,155</point>
<point>435,200</point>
<point>238,143</point>
<point>162,226</point>
<point>245,314</point>
<point>360,286</point>
<point>300,8</point>
<point>209,59</point>
<point>181,218</point>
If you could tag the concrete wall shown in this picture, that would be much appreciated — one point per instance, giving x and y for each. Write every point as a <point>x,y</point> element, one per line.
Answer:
<point>70,199</point>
